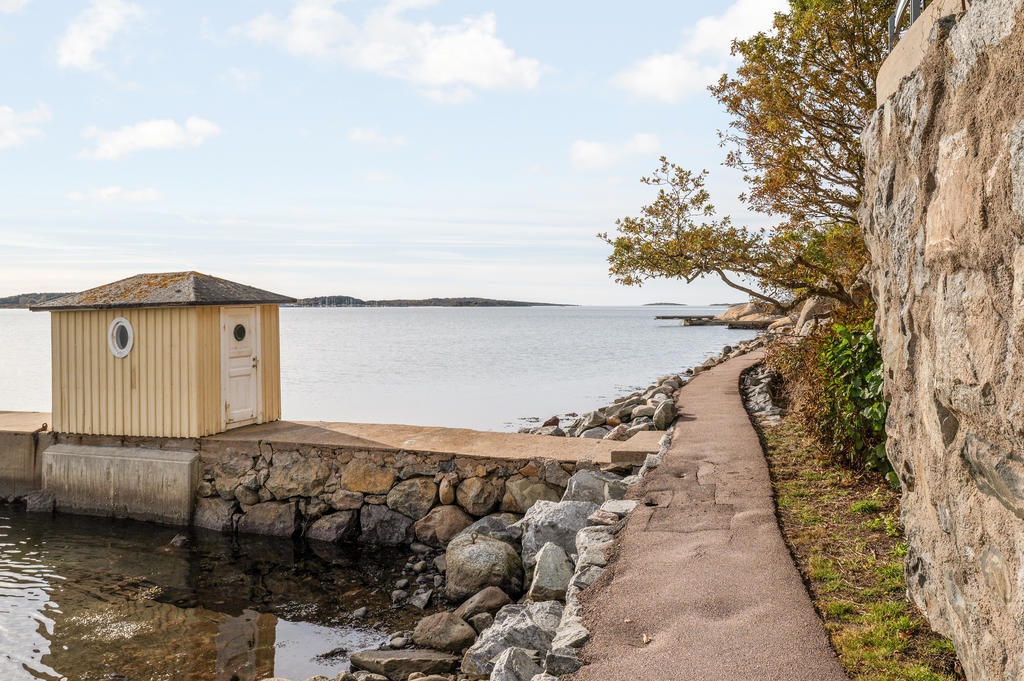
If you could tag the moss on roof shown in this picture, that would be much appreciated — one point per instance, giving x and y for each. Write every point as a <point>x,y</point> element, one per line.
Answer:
<point>165,289</point>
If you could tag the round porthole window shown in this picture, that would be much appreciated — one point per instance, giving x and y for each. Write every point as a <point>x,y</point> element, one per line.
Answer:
<point>239,332</point>
<point>120,337</point>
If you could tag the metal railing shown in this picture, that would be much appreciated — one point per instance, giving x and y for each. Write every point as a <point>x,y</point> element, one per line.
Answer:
<point>915,7</point>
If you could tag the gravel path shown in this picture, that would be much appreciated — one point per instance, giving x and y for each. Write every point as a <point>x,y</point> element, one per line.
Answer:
<point>704,572</point>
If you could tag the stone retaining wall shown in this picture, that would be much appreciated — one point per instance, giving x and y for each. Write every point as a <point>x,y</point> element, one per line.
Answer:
<point>339,494</point>
<point>943,219</point>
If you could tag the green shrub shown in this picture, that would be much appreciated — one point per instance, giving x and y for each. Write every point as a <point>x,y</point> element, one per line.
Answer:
<point>832,380</point>
<point>850,365</point>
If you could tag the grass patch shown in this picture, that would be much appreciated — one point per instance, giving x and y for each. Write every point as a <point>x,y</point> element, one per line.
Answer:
<point>866,506</point>
<point>843,530</point>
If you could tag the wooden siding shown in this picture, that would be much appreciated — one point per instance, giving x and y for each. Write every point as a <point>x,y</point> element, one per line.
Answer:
<point>208,401</point>
<point>270,368</point>
<point>168,385</point>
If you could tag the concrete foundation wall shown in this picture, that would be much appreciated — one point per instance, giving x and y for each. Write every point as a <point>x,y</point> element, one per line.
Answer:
<point>123,482</point>
<point>21,462</point>
<point>911,48</point>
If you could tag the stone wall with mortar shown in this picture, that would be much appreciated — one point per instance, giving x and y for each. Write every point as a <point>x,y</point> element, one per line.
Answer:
<point>943,216</point>
<point>379,497</point>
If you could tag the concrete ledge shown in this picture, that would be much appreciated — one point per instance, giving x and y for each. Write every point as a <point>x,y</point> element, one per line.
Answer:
<point>440,441</point>
<point>23,437</point>
<point>124,482</point>
<point>909,51</point>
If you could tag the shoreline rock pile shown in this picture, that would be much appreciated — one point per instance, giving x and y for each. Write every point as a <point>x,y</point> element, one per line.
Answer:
<point>651,409</point>
<point>755,385</point>
<point>545,559</point>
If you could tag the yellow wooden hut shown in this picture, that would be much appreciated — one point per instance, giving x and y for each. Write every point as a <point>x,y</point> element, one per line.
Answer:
<point>177,354</point>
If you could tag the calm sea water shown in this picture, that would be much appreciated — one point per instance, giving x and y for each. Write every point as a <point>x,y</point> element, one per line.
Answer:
<point>84,599</point>
<point>486,368</point>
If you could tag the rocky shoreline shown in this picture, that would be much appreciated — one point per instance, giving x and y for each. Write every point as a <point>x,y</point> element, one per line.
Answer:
<point>503,548</point>
<point>653,408</point>
<point>512,582</point>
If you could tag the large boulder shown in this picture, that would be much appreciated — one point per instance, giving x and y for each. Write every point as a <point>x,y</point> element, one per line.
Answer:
<point>596,433</point>
<point>381,525</point>
<point>594,486</point>
<point>489,600</point>
<point>515,664</point>
<point>444,631</point>
<point>737,312</point>
<point>295,475</point>
<point>368,477</point>
<point>397,665</point>
<point>334,528</point>
<point>553,522</point>
<point>523,493</point>
<point>272,518</point>
<point>476,561</point>
<point>343,500</point>
<point>478,496</point>
<point>438,527</point>
<point>551,574</point>
<point>214,513</point>
<point>446,490</point>
<point>530,626</point>
<point>664,415</point>
<point>229,471</point>
<point>619,432</point>
<point>813,308</point>
<point>414,497</point>
<point>593,419</point>
<point>643,410</point>
<point>500,526</point>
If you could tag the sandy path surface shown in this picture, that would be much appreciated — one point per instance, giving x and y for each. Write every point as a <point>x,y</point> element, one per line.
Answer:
<point>704,571</point>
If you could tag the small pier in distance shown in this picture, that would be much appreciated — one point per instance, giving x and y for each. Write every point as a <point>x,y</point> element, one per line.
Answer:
<point>712,320</point>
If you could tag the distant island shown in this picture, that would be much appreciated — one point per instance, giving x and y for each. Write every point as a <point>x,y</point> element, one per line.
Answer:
<point>663,304</point>
<point>349,301</point>
<point>26,299</point>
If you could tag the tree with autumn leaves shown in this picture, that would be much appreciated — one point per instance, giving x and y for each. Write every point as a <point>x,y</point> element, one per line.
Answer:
<point>797,104</point>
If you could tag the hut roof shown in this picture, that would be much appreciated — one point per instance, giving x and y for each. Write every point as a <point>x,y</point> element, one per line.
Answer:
<point>166,289</point>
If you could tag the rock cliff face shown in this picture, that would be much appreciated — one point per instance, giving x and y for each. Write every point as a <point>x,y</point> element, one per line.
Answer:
<point>943,215</point>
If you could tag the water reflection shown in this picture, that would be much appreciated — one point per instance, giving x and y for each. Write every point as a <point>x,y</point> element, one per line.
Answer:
<point>89,599</point>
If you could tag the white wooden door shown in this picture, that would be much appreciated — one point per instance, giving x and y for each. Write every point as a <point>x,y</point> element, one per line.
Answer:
<point>239,365</point>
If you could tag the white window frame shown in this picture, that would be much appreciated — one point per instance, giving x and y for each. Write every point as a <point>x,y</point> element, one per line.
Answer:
<point>120,353</point>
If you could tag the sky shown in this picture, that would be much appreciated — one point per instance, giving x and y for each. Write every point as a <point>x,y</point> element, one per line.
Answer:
<point>372,148</point>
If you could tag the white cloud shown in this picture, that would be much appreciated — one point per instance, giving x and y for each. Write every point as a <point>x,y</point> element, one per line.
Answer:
<point>371,137</point>
<point>17,127</point>
<point>241,79</point>
<point>92,30</point>
<point>115,195</point>
<point>447,63</point>
<point>313,29</point>
<point>12,6</point>
<point>378,176</point>
<point>155,134</point>
<point>704,54</point>
<point>587,155</point>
